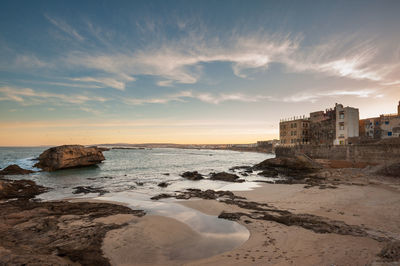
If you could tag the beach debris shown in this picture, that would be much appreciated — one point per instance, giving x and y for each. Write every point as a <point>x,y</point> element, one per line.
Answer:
<point>89,189</point>
<point>69,156</point>
<point>227,177</point>
<point>14,169</point>
<point>192,175</point>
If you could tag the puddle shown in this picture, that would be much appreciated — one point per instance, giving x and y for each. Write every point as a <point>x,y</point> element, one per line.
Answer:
<point>217,235</point>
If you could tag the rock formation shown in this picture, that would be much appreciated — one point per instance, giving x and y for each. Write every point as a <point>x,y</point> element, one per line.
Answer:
<point>192,175</point>
<point>223,176</point>
<point>69,156</point>
<point>15,170</point>
<point>298,166</point>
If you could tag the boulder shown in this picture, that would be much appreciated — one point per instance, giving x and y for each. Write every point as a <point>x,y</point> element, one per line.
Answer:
<point>223,176</point>
<point>163,184</point>
<point>192,175</point>
<point>69,156</point>
<point>15,170</point>
<point>297,166</point>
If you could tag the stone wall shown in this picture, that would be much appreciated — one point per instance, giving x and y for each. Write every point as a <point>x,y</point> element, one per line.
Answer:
<point>373,153</point>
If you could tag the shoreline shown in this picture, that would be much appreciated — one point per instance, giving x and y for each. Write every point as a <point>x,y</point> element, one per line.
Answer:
<point>353,222</point>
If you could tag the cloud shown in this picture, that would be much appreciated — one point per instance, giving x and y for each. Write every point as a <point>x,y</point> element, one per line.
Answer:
<point>29,96</point>
<point>63,26</point>
<point>313,96</point>
<point>204,97</point>
<point>176,61</point>
<point>107,82</point>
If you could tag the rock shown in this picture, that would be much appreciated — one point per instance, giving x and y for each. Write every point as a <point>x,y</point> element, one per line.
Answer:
<point>15,170</point>
<point>297,167</point>
<point>223,176</point>
<point>163,184</point>
<point>192,175</point>
<point>392,170</point>
<point>89,189</point>
<point>69,156</point>
<point>391,251</point>
<point>269,173</point>
<point>19,189</point>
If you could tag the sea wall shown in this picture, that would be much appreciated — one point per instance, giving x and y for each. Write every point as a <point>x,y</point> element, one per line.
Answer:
<point>374,153</point>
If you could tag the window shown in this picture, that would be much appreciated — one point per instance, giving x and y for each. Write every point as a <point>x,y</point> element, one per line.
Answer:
<point>295,125</point>
<point>389,133</point>
<point>341,127</point>
<point>386,122</point>
<point>295,133</point>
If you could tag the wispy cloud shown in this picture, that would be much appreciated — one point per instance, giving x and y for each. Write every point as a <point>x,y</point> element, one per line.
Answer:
<point>313,96</point>
<point>204,97</point>
<point>29,96</point>
<point>65,27</point>
<point>106,82</point>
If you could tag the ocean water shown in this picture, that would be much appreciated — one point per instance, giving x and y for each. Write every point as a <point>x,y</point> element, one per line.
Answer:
<point>132,176</point>
<point>138,171</point>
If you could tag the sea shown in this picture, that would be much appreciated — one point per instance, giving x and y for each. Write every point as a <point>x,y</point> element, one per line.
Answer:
<point>131,177</point>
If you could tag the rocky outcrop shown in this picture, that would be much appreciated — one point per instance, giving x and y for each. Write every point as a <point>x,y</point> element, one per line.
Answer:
<point>296,167</point>
<point>53,233</point>
<point>223,176</point>
<point>192,175</point>
<point>19,189</point>
<point>69,156</point>
<point>15,170</point>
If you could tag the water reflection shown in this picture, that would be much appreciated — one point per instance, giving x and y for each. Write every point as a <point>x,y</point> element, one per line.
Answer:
<point>217,235</point>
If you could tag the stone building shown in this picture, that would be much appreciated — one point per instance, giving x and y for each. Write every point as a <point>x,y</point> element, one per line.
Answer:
<point>335,126</point>
<point>323,127</point>
<point>294,131</point>
<point>382,127</point>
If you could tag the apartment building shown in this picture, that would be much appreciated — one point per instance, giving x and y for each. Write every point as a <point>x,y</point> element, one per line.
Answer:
<point>294,131</point>
<point>333,126</point>
<point>382,127</point>
<point>347,124</point>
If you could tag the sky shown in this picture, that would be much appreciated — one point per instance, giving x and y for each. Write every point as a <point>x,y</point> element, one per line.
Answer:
<point>91,72</point>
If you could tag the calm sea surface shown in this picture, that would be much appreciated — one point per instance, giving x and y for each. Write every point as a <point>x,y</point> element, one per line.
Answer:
<point>132,177</point>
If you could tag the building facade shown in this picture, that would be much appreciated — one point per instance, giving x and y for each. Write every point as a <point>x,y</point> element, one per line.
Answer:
<point>347,124</point>
<point>382,127</point>
<point>335,126</point>
<point>294,131</point>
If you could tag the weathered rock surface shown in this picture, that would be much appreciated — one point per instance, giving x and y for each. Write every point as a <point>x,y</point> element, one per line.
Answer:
<point>14,169</point>
<point>52,233</point>
<point>69,156</point>
<point>227,177</point>
<point>19,189</point>
<point>296,167</point>
<point>392,170</point>
<point>192,175</point>
<point>89,189</point>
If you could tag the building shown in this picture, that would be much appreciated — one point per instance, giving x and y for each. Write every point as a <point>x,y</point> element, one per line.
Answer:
<point>323,127</point>
<point>382,127</point>
<point>294,131</point>
<point>335,126</point>
<point>347,124</point>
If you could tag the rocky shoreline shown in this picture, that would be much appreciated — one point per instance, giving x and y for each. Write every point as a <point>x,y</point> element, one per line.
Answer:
<point>311,201</point>
<point>52,233</point>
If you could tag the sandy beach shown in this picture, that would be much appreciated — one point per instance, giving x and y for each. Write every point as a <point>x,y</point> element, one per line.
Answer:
<point>352,218</point>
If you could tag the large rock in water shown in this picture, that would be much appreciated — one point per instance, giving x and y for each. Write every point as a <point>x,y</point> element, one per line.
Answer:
<point>69,156</point>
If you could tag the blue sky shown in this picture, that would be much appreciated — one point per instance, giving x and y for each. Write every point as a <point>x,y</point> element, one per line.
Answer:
<point>189,71</point>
